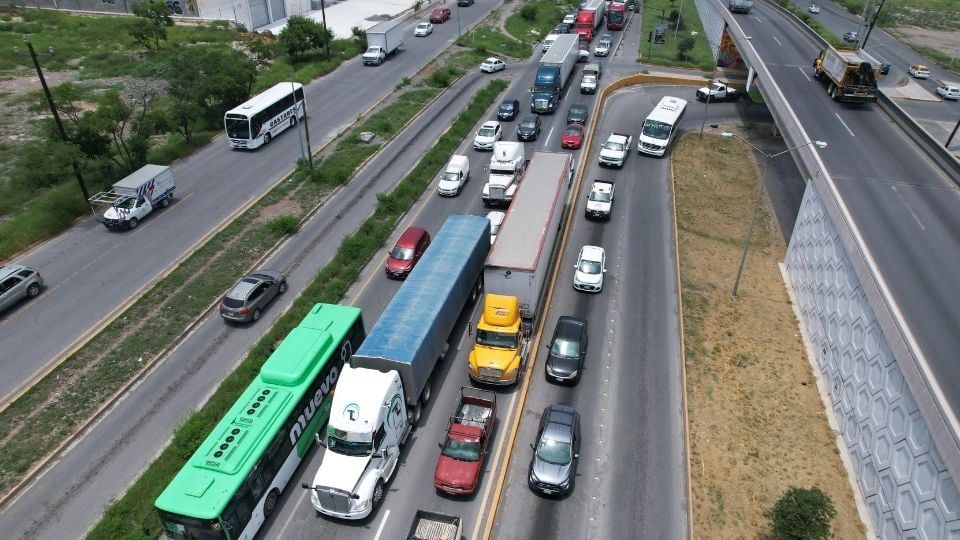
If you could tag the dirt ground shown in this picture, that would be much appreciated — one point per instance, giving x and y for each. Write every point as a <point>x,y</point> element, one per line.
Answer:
<point>757,424</point>
<point>945,41</point>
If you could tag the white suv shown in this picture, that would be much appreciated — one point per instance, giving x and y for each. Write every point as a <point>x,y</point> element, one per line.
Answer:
<point>949,91</point>
<point>591,264</point>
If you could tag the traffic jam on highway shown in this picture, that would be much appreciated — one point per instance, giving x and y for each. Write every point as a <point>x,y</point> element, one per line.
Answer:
<point>385,376</point>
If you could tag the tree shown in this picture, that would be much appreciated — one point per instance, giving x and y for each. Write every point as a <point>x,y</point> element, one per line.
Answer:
<point>360,36</point>
<point>263,51</point>
<point>150,26</point>
<point>302,34</point>
<point>44,163</point>
<point>802,514</point>
<point>684,47</point>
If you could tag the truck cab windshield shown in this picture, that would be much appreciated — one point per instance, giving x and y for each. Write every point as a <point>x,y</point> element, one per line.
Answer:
<point>349,448</point>
<point>615,146</point>
<point>373,50</point>
<point>599,196</point>
<point>496,339</point>
<point>462,450</point>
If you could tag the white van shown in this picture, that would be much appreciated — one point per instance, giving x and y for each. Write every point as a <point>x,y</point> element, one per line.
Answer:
<point>454,176</point>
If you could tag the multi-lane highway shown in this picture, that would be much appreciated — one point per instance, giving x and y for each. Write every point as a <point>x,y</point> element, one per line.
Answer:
<point>903,205</point>
<point>91,274</point>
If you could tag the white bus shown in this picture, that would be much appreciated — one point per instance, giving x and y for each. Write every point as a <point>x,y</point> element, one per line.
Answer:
<point>253,123</point>
<point>661,126</point>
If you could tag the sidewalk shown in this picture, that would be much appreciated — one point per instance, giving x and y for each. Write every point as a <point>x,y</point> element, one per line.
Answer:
<point>343,16</point>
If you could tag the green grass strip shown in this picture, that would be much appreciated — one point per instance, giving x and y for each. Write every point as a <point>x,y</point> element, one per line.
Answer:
<point>133,514</point>
<point>666,54</point>
<point>36,423</point>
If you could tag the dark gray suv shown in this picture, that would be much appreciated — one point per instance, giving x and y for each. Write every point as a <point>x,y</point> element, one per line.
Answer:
<point>556,452</point>
<point>567,349</point>
<point>16,283</point>
<point>246,300</point>
<point>529,128</point>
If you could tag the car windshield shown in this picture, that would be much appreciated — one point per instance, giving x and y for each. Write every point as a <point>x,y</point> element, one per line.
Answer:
<point>486,132</point>
<point>349,448</point>
<point>450,176</point>
<point>422,26</point>
<point>531,123</point>
<point>238,127</point>
<point>401,253</point>
<point>554,451</point>
<point>589,78</point>
<point>589,267</point>
<point>657,130</point>
<point>573,130</point>
<point>496,339</point>
<point>615,146</point>
<point>506,106</point>
<point>563,347</point>
<point>599,196</point>
<point>462,450</point>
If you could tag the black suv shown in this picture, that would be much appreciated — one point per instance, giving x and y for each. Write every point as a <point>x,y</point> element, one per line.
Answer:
<point>464,3</point>
<point>529,128</point>
<point>567,349</point>
<point>577,114</point>
<point>508,109</point>
<point>553,466</point>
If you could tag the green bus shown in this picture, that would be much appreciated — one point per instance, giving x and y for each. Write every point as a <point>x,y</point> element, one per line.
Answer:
<point>232,483</point>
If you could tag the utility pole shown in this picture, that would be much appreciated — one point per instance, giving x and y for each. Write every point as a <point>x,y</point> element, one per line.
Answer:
<point>876,15</point>
<point>326,35</point>
<point>56,115</point>
<point>952,133</point>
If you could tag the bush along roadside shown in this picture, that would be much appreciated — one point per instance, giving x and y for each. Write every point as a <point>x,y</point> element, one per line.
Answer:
<point>133,514</point>
<point>38,421</point>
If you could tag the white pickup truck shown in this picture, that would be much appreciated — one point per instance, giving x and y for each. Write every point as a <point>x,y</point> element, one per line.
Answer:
<point>133,198</point>
<point>588,85</point>
<point>718,91</point>
<point>600,200</point>
<point>615,151</point>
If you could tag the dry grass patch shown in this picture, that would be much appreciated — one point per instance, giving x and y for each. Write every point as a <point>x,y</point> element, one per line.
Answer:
<point>757,425</point>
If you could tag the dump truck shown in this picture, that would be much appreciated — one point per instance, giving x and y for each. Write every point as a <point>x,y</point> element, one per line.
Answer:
<point>435,526</point>
<point>464,448</point>
<point>383,39</point>
<point>553,73</point>
<point>382,389</point>
<point>850,75</point>
<point>133,198</point>
<point>517,269</point>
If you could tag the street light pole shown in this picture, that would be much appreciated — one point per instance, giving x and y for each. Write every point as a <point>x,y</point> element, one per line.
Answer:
<point>756,203</point>
<point>707,110</point>
<point>56,116</point>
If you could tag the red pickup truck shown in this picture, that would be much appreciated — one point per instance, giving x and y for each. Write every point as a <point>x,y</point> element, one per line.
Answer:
<point>465,447</point>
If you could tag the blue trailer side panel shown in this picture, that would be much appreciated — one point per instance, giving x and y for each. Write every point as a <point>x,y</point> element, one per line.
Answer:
<point>415,326</point>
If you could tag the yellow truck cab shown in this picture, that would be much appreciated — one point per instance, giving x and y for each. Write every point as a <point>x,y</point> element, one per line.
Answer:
<point>500,346</point>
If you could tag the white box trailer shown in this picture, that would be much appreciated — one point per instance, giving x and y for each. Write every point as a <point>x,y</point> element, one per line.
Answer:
<point>520,259</point>
<point>131,199</point>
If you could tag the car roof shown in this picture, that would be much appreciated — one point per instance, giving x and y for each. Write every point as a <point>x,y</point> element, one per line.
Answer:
<point>243,287</point>
<point>602,186</point>
<point>591,253</point>
<point>12,269</point>
<point>578,107</point>
<point>492,59</point>
<point>559,418</point>
<point>411,236</point>
<point>490,124</point>
<point>569,327</point>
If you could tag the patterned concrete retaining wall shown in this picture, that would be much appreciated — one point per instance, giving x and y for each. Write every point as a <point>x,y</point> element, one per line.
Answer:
<point>713,24</point>
<point>905,484</point>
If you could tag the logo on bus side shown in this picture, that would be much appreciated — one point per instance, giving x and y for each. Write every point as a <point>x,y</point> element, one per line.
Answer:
<point>296,431</point>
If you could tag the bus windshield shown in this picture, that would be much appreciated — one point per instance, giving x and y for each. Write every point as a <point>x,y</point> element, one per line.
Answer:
<point>657,130</point>
<point>238,127</point>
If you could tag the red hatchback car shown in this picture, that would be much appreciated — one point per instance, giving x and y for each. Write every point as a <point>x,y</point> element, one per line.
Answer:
<point>439,15</point>
<point>405,255</point>
<point>572,136</point>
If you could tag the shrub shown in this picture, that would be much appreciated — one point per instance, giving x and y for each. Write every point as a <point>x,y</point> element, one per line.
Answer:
<point>283,225</point>
<point>529,12</point>
<point>802,514</point>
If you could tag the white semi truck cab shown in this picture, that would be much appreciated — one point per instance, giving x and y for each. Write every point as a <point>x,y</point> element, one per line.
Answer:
<point>368,424</point>
<point>506,171</point>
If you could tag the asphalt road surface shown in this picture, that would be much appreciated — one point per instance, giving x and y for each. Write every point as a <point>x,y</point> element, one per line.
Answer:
<point>91,274</point>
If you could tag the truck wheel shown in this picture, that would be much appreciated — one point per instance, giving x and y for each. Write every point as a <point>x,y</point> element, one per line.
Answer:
<point>132,224</point>
<point>165,202</point>
<point>378,494</point>
<point>270,504</point>
<point>415,414</point>
<point>33,290</point>
<point>427,391</point>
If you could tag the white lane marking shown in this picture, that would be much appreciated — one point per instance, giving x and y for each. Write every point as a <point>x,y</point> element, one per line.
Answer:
<point>844,124</point>
<point>777,40</point>
<point>904,201</point>
<point>757,19</point>
<point>386,515</point>
<point>804,73</point>
<point>299,503</point>
<point>549,134</point>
